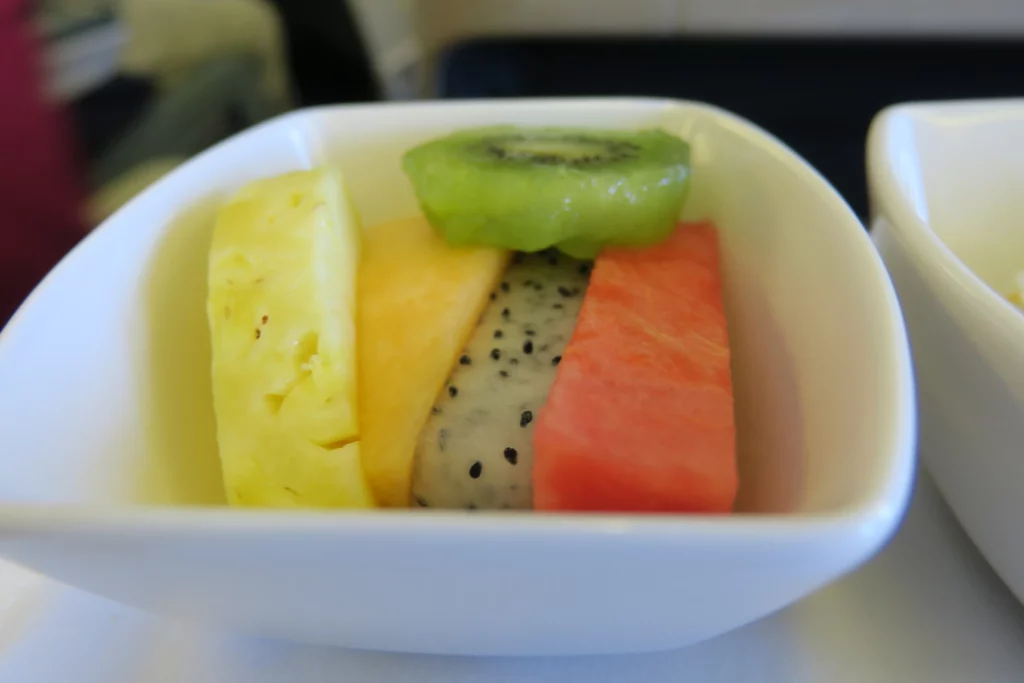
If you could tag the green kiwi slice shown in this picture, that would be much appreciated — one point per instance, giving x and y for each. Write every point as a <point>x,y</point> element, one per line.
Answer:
<point>577,189</point>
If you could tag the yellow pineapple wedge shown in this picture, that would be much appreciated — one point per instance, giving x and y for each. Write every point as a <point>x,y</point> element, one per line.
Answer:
<point>281,307</point>
<point>419,301</point>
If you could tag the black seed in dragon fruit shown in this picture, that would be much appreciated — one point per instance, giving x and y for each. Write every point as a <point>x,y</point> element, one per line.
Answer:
<point>476,450</point>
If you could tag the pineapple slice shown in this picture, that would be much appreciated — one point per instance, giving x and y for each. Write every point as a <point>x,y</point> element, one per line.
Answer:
<point>281,309</point>
<point>419,301</point>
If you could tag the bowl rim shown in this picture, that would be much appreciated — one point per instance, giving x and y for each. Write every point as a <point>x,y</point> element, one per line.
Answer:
<point>928,251</point>
<point>875,517</point>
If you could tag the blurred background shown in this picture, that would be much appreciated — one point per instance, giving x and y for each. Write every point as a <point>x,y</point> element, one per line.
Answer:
<point>99,98</point>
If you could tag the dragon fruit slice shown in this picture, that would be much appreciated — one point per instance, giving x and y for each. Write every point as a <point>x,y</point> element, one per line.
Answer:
<point>476,450</point>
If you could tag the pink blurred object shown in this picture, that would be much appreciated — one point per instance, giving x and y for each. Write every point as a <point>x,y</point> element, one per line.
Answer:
<point>42,190</point>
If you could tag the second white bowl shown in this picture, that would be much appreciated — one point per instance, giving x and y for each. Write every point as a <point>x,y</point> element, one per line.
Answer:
<point>947,187</point>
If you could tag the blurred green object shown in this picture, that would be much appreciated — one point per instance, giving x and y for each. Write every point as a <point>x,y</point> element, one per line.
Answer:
<point>217,67</point>
<point>220,97</point>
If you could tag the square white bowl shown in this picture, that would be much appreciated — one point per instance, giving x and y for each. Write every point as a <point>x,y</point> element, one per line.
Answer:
<point>947,188</point>
<point>108,472</point>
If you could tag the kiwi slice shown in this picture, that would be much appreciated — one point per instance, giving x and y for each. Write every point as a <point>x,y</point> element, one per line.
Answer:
<point>577,189</point>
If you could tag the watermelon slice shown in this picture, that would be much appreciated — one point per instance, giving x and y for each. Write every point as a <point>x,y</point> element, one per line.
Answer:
<point>640,416</point>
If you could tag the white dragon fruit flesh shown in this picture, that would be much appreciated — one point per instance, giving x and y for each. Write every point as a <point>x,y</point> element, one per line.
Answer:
<point>476,450</point>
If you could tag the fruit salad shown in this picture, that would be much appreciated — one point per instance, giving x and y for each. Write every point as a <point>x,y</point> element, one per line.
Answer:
<point>546,335</point>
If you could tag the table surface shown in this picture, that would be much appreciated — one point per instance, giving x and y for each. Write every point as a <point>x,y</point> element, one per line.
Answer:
<point>927,609</point>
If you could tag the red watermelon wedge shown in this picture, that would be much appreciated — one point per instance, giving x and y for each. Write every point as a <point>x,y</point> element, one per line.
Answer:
<point>640,416</point>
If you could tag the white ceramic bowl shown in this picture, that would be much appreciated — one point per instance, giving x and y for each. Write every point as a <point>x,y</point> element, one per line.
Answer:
<point>108,470</point>
<point>947,187</point>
